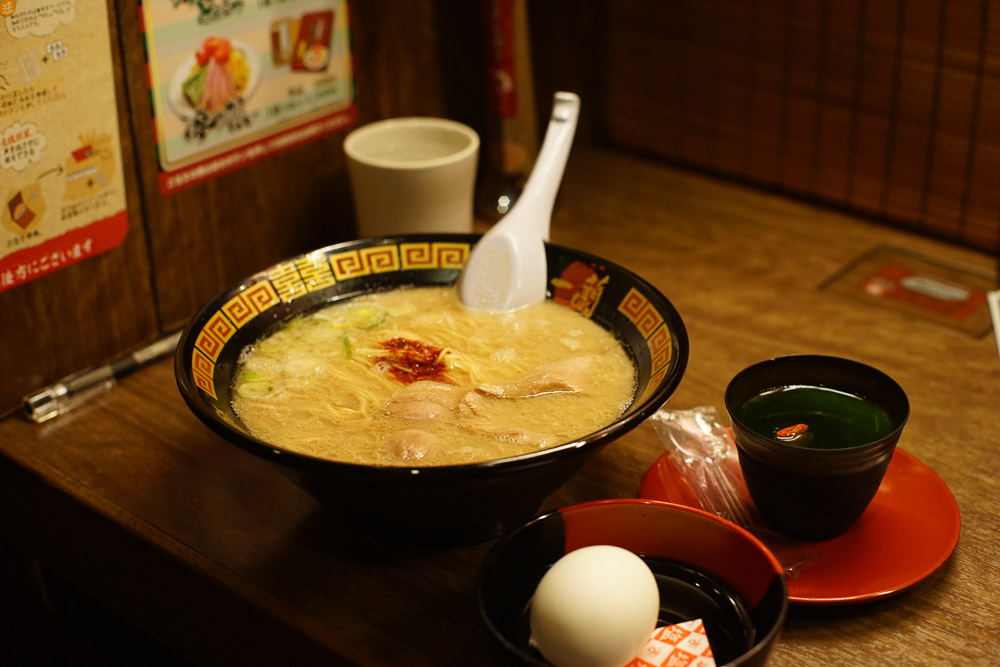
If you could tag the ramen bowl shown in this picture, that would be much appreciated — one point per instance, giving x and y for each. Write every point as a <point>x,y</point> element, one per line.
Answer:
<point>706,568</point>
<point>426,507</point>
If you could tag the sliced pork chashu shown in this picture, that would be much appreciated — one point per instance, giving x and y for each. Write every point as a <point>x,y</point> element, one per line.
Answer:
<point>564,376</point>
<point>479,413</point>
<point>424,401</point>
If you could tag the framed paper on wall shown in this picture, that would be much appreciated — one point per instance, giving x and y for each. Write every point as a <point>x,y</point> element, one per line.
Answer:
<point>62,194</point>
<point>233,82</point>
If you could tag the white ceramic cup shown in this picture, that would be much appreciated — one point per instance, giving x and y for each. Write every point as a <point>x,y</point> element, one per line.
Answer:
<point>412,175</point>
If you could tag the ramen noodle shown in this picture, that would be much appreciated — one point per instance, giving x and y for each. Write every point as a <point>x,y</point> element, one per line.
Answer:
<point>412,377</point>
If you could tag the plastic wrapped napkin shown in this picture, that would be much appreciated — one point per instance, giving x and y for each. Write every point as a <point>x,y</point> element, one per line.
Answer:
<point>703,452</point>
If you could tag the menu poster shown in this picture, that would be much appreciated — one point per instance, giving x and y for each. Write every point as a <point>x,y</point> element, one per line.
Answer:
<point>61,186</point>
<point>234,81</point>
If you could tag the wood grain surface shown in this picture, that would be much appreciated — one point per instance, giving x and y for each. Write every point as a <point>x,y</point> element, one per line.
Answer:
<point>226,561</point>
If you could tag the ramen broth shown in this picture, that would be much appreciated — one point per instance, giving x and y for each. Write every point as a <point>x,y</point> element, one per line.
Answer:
<point>412,377</point>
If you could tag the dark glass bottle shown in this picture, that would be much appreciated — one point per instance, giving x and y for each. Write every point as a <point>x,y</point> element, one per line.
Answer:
<point>512,142</point>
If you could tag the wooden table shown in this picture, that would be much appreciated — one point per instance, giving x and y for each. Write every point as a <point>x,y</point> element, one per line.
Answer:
<point>222,558</point>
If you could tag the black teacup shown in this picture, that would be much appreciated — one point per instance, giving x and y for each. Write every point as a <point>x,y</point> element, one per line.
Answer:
<point>812,481</point>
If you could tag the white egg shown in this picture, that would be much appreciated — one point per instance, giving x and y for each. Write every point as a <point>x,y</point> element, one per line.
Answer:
<point>595,607</point>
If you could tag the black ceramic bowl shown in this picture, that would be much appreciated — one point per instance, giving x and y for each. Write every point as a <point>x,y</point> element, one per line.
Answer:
<point>705,568</point>
<point>431,507</point>
<point>805,493</point>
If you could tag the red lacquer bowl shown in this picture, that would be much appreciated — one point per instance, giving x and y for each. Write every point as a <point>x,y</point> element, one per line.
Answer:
<point>675,541</point>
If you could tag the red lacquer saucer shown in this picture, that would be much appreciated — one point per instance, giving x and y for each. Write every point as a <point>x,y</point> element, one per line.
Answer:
<point>908,531</point>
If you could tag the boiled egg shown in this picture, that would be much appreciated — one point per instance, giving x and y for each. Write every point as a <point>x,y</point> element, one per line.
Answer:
<point>595,607</point>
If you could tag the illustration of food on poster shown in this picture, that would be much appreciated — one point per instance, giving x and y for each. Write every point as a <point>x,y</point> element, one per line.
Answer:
<point>61,185</point>
<point>234,82</point>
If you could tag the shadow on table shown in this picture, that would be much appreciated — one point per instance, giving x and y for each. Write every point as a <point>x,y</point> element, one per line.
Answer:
<point>47,622</point>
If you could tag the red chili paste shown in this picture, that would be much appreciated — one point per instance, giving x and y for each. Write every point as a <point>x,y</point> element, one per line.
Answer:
<point>410,360</point>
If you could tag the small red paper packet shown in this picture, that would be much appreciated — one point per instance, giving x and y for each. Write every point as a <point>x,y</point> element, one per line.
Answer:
<point>681,645</point>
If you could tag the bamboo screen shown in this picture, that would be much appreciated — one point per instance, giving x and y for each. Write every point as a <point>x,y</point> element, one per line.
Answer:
<point>887,108</point>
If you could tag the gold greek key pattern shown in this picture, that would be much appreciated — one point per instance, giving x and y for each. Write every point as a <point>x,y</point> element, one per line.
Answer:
<point>638,310</point>
<point>381,259</point>
<point>249,303</point>
<point>236,312</point>
<point>214,335</point>
<point>660,348</point>
<point>203,372</point>
<point>433,255</point>
<point>220,327</point>
<point>261,295</point>
<point>348,265</point>
<point>365,261</point>
<point>452,255</point>
<point>239,311</point>
<point>655,380</point>
<point>650,324</point>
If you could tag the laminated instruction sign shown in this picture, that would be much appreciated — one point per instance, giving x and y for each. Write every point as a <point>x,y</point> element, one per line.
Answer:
<point>61,185</point>
<point>234,81</point>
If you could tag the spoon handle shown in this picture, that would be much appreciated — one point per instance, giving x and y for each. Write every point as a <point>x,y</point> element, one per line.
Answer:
<point>539,195</point>
<point>507,267</point>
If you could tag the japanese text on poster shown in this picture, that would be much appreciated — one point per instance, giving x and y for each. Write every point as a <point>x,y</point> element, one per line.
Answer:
<point>61,185</point>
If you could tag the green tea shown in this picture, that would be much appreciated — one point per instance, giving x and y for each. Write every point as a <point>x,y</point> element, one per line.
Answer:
<point>834,419</point>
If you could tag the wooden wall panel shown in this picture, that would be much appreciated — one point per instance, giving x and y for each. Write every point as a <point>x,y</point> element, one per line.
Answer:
<point>882,107</point>
<point>631,88</point>
<point>955,115</point>
<point>911,132</point>
<point>768,105</point>
<point>982,203</point>
<point>876,74</point>
<point>697,85</point>
<point>732,74</point>
<point>802,82</point>
<point>829,176</point>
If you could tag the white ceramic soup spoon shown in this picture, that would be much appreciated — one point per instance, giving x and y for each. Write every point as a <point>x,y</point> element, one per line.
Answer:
<point>507,269</point>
